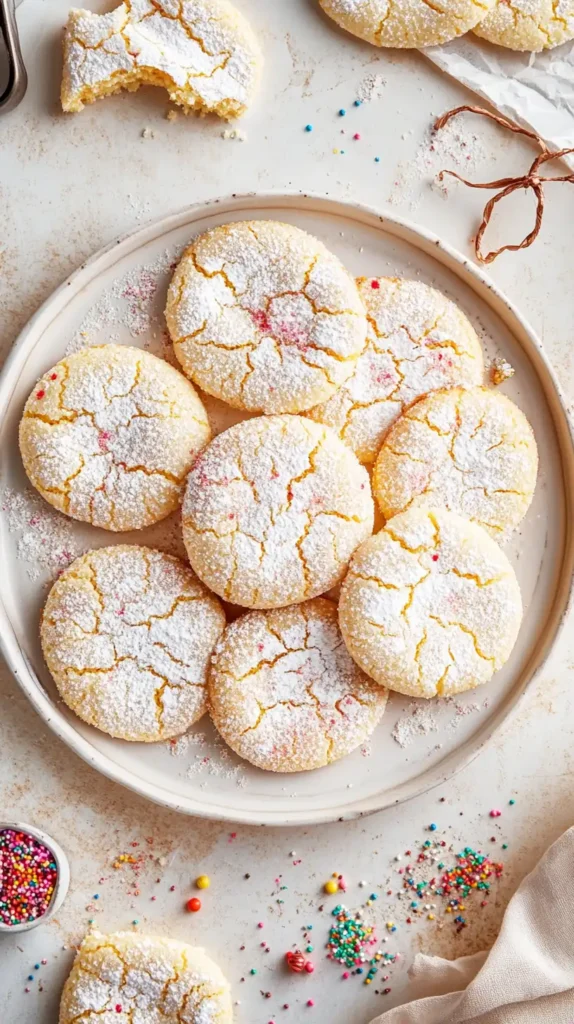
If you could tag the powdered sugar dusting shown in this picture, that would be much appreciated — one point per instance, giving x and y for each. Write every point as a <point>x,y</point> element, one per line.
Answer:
<point>406,23</point>
<point>423,718</point>
<point>47,540</point>
<point>127,633</point>
<point>455,146</point>
<point>431,605</point>
<point>273,510</point>
<point>203,53</point>
<point>109,434</point>
<point>472,452</point>
<point>128,975</point>
<point>263,316</point>
<point>371,88</point>
<point>418,341</point>
<point>284,692</point>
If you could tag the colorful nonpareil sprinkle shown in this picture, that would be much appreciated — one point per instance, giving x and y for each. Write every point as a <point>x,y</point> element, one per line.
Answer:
<point>348,944</point>
<point>28,878</point>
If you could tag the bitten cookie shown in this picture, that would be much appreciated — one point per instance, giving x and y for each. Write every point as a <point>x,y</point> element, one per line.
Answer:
<point>407,23</point>
<point>418,341</point>
<point>203,52</point>
<point>263,316</point>
<point>472,452</point>
<point>109,435</point>
<point>431,605</point>
<point>273,510</point>
<point>127,633</point>
<point>529,24</point>
<point>130,978</point>
<point>284,692</point>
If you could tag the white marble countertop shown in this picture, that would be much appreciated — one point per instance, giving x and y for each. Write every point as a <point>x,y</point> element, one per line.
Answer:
<point>68,185</point>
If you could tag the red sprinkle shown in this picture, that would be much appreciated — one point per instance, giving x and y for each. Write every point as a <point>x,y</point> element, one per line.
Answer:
<point>435,558</point>
<point>193,905</point>
<point>40,393</point>
<point>375,284</point>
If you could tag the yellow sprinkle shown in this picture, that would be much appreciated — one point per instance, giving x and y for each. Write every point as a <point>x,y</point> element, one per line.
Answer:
<point>203,882</point>
<point>431,917</point>
<point>331,887</point>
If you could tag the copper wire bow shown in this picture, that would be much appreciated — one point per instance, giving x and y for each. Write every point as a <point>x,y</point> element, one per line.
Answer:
<point>531,180</point>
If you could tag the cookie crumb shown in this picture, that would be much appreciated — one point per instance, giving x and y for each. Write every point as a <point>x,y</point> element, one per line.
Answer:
<point>500,370</point>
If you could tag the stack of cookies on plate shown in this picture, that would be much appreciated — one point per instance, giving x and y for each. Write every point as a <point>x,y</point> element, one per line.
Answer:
<point>351,392</point>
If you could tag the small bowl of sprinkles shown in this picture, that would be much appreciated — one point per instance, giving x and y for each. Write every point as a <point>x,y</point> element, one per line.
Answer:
<point>34,877</point>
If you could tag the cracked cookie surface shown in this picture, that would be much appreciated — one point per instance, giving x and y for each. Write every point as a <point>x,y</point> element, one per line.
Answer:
<point>529,24</point>
<point>472,452</point>
<point>129,978</point>
<point>407,23</point>
<point>203,52</point>
<point>264,317</point>
<point>127,633</point>
<point>418,341</point>
<point>273,510</point>
<point>109,434</point>
<point>284,692</point>
<point>431,605</point>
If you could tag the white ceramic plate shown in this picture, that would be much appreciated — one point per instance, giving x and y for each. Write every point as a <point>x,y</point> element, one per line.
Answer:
<point>205,780</point>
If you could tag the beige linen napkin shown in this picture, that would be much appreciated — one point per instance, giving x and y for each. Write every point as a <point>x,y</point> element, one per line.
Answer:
<point>528,975</point>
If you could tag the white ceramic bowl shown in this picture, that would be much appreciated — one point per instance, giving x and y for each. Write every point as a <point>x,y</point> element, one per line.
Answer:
<point>62,883</point>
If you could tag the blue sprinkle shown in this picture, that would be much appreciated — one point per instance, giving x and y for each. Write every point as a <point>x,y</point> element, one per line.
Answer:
<point>377,159</point>
<point>373,896</point>
<point>342,152</point>
<point>358,103</point>
<point>308,127</point>
<point>36,967</point>
<point>432,827</point>
<point>414,904</point>
<point>359,970</point>
<point>342,112</point>
<point>30,977</point>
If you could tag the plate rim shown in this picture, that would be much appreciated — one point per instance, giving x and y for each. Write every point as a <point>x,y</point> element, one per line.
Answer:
<point>479,282</point>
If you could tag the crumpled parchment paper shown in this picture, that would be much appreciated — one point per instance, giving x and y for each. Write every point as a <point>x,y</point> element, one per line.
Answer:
<point>534,89</point>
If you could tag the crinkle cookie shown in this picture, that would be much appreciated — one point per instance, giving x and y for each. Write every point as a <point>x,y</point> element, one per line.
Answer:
<point>109,435</point>
<point>407,23</point>
<point>472,452</point>
<point>418,341</point>
<point>130,978</point>
<point>529,24</point>
<point>203,52</point>
<point>431,605</point>
<point>273,510</point>
<point>264,317</point>
<point>284,692</point>
<point>127,633</point>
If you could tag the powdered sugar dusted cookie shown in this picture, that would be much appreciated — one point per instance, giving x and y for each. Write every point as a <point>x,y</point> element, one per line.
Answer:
<point>431,605</point>
<point>130,978</point>
<point>273,510</point>
<point>264,317</point>
<point>284,692</point>
<point>127,634</point>
<point>202,51</point>
<point>418,341</point>
<point>529,24</point>
<point>407,23</point>
<point>472,452</point>
<point>109,435</point>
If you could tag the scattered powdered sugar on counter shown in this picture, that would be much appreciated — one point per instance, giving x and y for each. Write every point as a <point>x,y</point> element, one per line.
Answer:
<point>47,541</point>
<point>212,759</point>
<point>454,147</point>
<point>132,303</point>
<point>371,88</point>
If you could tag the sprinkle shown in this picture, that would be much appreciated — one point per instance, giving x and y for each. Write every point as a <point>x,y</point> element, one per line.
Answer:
<point>495,813</point>
<point>308,127</point>
<point>40,394</point>
<point>135,921</point>
<point>512,802</point>
<point>193,905</point>
<point>253,970</point>
<point>357,103</point>
<point>203,882</point>
<point>432,827</point>
<point>309,949</point>
<point>357,137</point>
<point>310,1002</point>
<point>331,887</point>
<point>342,112</point>
<point>377,159</point>
<point>28,874</point>
<point>309,967</point>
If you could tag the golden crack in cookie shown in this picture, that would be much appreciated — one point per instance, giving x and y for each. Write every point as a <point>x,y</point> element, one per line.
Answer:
<point>418,341</point>
<point>273,510</point>
<point>529,24</point>
<point>130,978</point>
<point>127,633</point>
<point>407,23</point>
<point>263,316</point>
<point>431,605</point>
<point>109,434</point>
<point>203,53</point>
<point>472,452</point>
<point>284,692</point>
